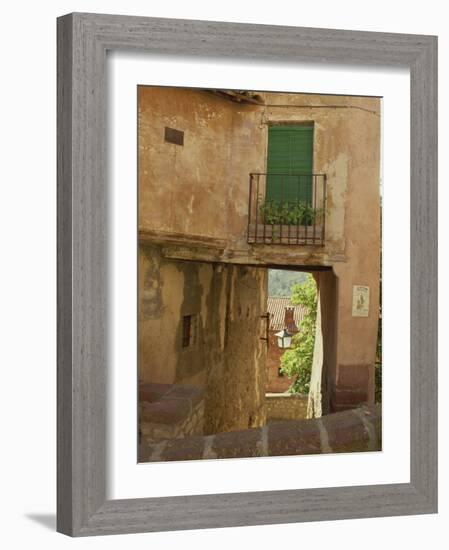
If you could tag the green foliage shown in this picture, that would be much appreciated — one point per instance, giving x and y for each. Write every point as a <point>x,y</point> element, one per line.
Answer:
<point>297,361</point>
<point>281,281</point>
<point>288,213</point>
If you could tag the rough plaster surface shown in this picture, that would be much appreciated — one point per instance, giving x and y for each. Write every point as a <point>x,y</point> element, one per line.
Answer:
<point>227,357</point>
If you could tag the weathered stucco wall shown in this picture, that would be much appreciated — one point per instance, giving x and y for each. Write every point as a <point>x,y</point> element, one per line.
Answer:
<point>169,290</point>
<point>227,357</point>
<point>194,201</point>
<point>200,190</point>
<point>194,189</point>
<point>324,358</point>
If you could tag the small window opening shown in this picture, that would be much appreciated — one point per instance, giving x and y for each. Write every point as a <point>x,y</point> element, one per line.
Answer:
<point>186,331</point>
<point>171,135</point>
<point>189,330</point>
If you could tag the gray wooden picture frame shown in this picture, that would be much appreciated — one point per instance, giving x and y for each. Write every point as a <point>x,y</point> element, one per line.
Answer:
<point>83,40</point>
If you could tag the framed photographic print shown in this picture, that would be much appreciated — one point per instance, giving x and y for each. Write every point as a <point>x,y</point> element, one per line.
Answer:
<point>235,280</point>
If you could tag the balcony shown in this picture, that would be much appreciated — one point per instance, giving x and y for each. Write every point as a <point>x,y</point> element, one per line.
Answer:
<point>287,209</point>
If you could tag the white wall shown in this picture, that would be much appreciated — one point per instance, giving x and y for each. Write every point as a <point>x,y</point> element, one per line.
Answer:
<point>27,288</point>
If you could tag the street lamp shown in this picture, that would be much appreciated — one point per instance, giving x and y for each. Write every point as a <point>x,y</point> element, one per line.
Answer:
<point>284,338</point>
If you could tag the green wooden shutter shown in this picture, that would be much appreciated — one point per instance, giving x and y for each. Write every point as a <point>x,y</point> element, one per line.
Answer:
<point>290,163</point>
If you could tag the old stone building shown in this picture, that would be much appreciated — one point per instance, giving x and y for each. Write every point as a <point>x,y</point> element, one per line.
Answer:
<point>231,184</point>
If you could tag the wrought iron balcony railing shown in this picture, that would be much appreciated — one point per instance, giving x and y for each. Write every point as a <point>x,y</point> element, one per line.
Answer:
<point>287,209</point>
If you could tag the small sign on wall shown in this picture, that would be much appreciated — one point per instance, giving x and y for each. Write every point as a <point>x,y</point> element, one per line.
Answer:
<point>360,301</point>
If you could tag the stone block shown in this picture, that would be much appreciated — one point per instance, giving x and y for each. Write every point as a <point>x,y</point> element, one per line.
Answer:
<point>244,443</point>
<point>166,411</point>
<point>293,438</point>
<point>190,448</point>
<point>346,432</point>
<point>153,392</point>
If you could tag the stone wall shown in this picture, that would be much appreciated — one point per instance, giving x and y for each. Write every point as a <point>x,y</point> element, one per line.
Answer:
<point>170,411</point>
<point>235,387</point>
<point>169,291</point>
<point>226,357</point>
<point>286,406</point>
<point>355,430</point>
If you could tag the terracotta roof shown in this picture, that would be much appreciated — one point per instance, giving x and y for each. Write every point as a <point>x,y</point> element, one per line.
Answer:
<point>276,309</point>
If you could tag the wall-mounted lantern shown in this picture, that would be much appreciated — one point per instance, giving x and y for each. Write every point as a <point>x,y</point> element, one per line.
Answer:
<point>284,338</point>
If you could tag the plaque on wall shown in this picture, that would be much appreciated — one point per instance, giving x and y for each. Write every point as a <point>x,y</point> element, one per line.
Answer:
<point>360,301</point>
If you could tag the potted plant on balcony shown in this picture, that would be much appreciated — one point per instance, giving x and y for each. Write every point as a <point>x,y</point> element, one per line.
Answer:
<point>278,214</point>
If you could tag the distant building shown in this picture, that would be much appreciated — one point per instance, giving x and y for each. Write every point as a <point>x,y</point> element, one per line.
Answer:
<point>283,314</point>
